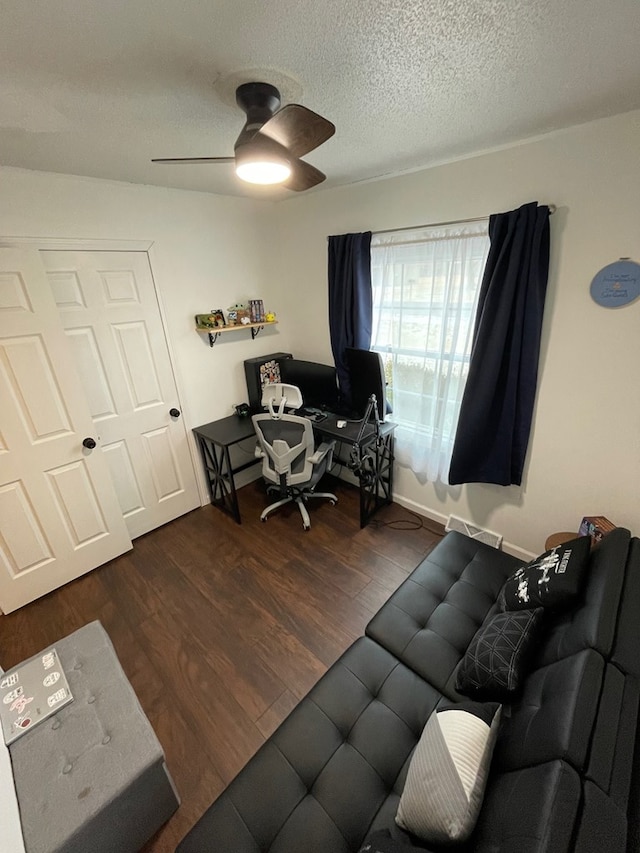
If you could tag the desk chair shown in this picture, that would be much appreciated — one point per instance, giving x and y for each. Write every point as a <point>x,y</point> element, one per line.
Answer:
<point>290,462</point>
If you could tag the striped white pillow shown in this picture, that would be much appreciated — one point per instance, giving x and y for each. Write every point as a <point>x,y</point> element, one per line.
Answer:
<point>448,772</point>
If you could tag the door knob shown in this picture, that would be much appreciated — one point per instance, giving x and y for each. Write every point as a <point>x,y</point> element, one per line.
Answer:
<point>89,443</point>
<point>175,413</point>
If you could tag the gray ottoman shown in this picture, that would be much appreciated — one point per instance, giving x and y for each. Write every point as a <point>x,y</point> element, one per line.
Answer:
<point>92,777</point>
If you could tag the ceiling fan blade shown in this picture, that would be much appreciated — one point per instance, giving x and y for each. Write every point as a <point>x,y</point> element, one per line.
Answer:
<point>298,129</point>
<point>194,160</point>
<point>303,176</point>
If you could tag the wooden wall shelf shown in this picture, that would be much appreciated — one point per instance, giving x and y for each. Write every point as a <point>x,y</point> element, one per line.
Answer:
<point>215,331</point>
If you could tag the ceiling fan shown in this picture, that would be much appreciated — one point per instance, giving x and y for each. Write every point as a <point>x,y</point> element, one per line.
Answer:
<point>272,140</point>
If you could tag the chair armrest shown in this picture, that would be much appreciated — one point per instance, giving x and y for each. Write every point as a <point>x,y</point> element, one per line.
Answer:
<point>321,452</point>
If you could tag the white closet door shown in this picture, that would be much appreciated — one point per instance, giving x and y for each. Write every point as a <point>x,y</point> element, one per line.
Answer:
<point>108,306</point>
<point>59,514</point>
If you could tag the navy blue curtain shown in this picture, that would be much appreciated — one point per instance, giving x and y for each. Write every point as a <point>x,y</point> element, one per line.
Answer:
<point>350,300</point>
<point>497,406</point>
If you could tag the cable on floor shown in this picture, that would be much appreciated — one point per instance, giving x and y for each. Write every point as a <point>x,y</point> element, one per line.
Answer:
<point>415,523</point>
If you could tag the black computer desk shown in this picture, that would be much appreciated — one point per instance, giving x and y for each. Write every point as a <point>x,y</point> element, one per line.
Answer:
<point>370,458</point>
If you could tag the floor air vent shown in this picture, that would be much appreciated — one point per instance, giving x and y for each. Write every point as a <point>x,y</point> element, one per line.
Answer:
<point>473,532</point>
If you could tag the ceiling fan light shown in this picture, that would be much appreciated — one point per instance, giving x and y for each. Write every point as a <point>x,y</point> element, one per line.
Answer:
<point>263,171</point>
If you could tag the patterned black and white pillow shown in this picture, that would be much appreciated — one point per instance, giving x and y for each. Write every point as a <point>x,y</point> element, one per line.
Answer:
<point>495,663</point>
<point>448,772</point>
<point>551,580</point>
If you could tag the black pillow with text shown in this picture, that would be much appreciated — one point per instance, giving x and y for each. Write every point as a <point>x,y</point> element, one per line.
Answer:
<point>551,580</point>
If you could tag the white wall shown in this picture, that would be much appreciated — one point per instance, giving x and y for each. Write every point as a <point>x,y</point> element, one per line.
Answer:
<point>208,252</point>
<point>584,453</point>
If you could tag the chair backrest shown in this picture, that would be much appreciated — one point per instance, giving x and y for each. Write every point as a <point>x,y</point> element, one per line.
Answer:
<point>281,395</point>
<point>286,440</point>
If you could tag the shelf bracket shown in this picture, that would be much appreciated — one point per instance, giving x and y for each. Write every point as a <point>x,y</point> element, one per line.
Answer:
<point>255,330</point>
<point>213,337</point>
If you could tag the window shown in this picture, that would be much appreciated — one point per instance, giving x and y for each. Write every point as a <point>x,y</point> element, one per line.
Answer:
<point>425,294</point>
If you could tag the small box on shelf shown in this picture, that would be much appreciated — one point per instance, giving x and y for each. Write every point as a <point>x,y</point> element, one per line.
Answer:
<point>595,526</point>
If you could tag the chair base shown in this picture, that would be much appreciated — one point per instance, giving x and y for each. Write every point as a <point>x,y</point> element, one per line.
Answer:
<point>300,499</point>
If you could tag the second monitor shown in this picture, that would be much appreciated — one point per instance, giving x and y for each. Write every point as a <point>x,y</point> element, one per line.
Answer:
<point>367,377</point>
<point>317,382</point>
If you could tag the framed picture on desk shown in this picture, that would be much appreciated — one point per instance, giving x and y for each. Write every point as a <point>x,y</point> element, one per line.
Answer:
<point>259,371</point>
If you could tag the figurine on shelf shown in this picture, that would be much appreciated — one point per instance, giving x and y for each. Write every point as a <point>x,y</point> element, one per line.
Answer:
<point>270,317</point>
<point>237,313</point>
<point>218,317</point>
<point>205,320</point>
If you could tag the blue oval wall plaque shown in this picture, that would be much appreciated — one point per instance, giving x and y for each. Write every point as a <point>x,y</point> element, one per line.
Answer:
<point>616,284</point>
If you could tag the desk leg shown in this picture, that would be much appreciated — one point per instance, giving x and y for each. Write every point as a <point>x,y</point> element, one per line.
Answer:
<point>376,481</point>
<point>222,488</point>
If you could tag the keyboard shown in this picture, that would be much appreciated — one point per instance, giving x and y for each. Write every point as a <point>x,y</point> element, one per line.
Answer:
<point>315,415</point>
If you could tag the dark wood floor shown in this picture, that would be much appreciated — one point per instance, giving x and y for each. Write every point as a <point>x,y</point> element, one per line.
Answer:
<point>223,628</point>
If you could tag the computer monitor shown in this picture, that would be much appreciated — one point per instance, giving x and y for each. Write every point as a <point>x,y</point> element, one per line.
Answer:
<point>317,382</point>
<point>366,372</point>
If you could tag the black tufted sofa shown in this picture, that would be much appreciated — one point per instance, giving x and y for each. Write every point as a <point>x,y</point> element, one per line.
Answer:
<point>561,774</point>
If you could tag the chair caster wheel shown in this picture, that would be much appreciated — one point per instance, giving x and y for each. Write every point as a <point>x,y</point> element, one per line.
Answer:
<point>333,503</point>
<point>306,527</point>
<point>263,520</point>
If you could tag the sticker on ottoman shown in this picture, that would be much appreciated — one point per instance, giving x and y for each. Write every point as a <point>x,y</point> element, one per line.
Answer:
<point>12,695</point>
<point>9,681</point>
<point>31,692</point>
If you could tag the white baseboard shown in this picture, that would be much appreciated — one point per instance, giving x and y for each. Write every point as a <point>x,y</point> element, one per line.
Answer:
<point>441,518</point>
<point>420,509</point>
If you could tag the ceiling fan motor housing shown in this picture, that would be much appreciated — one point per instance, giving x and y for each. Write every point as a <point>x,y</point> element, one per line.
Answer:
<point>259,101</point>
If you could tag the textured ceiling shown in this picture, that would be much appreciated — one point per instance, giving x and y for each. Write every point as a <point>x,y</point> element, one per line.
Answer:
<point>98,88</point>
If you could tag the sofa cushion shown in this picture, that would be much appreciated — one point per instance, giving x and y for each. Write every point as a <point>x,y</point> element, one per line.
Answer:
<point>614,735</point>
<point>551,580</point>
<point>448,772</point>
<point>591,621</point>
<point>625,649</point>
<point>495,663</point>
<point>355,731</point>
<point>603,826</point>
<point>554,716</point>
<point>432,617</point>
<point>532,810</point>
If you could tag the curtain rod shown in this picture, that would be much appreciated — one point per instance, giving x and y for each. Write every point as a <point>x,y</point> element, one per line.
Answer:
<point>552,210</point>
